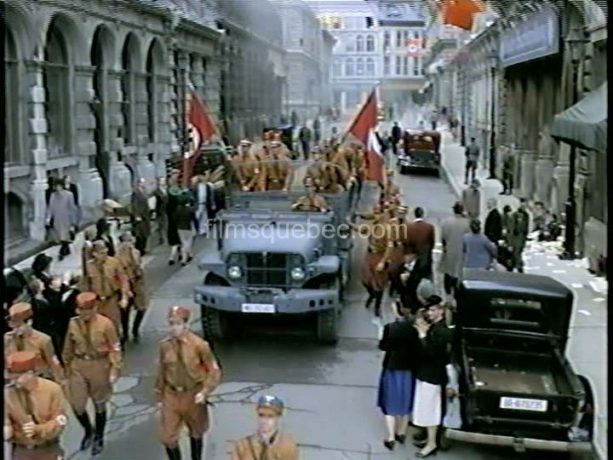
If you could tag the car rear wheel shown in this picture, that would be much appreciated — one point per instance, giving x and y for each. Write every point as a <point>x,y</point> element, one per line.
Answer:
<point>327,326</point>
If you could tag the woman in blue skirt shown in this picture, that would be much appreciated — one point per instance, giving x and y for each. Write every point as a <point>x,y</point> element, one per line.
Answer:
<point>396,384</point>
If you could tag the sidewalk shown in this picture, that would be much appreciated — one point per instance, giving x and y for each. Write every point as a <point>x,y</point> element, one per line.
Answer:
<point>588,328</point>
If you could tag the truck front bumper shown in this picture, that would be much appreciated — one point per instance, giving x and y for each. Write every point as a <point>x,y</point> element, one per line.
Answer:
<point>519,444</point>
<point>232,299</point>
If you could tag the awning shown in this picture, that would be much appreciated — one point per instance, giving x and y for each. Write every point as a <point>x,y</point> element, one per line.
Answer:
<point>585,123</point>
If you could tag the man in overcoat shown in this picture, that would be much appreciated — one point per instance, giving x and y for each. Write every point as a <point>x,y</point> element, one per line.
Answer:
<point>453,230</point>
<point>517,234</point>
<point>62,217</point>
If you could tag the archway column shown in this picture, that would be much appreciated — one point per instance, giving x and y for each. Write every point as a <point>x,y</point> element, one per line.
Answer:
<point>37,123</point>
<point>143,167</point>
<point>89,180</point>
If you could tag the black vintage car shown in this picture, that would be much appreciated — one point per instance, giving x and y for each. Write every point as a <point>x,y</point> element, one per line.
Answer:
<point>516,386</point>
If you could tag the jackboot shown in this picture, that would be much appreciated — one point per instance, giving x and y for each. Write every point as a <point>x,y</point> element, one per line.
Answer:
<point>196,448</point>
<point>125,324</point>
<point>138,319</point>
<point>99,436</point>
<point>173,453</point>
<point>86,423</point>
<point>378,301</point>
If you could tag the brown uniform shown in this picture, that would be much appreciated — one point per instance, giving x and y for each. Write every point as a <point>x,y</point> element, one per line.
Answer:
<point>109,282</point>
<point>377,245</point>
<point>91,350</point>
<point>252,447</point>
<point>132,265</point>
<point>319,174</point>
<point>40,343</point>
<point>247,170</point>
<point>397,237</point>
<point>186,366</point>
<point>277,170</point>
<point>45,406</point>
<point>316,204</point>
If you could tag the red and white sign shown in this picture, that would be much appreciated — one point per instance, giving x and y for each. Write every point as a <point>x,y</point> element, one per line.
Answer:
<point>415,47</point>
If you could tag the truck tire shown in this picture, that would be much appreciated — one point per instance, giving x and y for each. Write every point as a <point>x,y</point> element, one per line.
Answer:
<point>327,327</point>
<point>214,324</point>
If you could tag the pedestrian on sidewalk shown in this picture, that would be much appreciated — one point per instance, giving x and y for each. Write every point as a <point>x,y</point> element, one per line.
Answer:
<point>93,360</point>
<point>508,172</point>
<point>396,383</point>
<point>405,280</point>
<point>479,252</point>
<point>161,202</point>
<point>141,216</point>
<point>49,317</point>
<point>185,216</point>
<point>518,234</point>
<point>472,160</point>
<point>268,442</point>
<point>132,263</point>
<point>493,222</point>
<point>434,119</point>
<point>434,353</point>
<point>471,199</point>
<point>107,279</point>
<point>396,135</point>
<point>453,230</point>
<point>72,188</point>
<point>62,218</point>
<point>305,141</point>
<point>103,233</point>
<point>316,130</point>
<point>33,427</point>
<point>187,374</point>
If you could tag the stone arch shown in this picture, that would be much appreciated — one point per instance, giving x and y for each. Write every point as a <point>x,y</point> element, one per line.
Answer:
<point>154,68</point>
<point>132,47</point>
<point>157,51</point>
<point>18,21</point>
<point>105,43</point>
<point>72,35</point>
<point>130,63</point>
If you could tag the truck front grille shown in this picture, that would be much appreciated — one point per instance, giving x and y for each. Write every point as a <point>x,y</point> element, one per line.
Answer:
<point>269,269</point>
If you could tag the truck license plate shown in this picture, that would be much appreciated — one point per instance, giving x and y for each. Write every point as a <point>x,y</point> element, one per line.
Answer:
<point>533,405</point>
<point>258,308</point>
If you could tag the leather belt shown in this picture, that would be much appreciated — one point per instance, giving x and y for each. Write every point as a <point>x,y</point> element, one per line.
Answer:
<point>44,445</point>
<point>90,357</point>
<point>182,389</point>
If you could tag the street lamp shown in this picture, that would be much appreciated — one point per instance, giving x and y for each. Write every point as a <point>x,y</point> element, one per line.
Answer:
<point>493,62</point>
<point>576,41</point>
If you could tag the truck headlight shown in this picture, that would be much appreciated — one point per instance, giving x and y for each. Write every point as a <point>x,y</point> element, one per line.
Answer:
<point>235,272</point>
<point>297,274</point>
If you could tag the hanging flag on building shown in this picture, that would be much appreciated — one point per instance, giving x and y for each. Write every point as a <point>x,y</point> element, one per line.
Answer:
<point>460,13</point>
<point>200,128</point>
<point>362,128</point>
<point>415,47</point>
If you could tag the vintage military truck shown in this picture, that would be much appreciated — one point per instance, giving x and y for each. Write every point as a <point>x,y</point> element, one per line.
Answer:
<point>273,260</point>
<point>517,387</point>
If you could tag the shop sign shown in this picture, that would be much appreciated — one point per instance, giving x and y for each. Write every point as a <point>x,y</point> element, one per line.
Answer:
<point>535,37</point>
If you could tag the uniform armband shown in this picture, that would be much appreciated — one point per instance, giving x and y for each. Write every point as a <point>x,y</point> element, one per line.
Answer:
<point>61,420</point>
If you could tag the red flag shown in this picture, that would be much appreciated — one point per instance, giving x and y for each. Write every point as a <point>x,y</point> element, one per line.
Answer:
<point>460,13</point>
<point>201,128</point>
<point>362,128</point>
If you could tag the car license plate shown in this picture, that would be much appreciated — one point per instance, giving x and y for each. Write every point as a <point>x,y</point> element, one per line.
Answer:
<point>533,405</point>
<point>258,308</point>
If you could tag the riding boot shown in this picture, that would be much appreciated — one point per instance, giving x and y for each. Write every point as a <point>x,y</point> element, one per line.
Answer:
<point>378,301</point>
<point>86,423</point>
<point>173,453</point>
<point>196,448</point>
<point>125,324</point>
<point>138,319</point>
<point>99,436</point>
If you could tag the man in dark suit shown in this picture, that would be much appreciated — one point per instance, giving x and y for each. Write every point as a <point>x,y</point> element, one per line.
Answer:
<point>493,222</point>
<point>406,279</point>
<point>141,216</point>
<point>396,134</point>
<point>420,236</point>
<point>161,201</point>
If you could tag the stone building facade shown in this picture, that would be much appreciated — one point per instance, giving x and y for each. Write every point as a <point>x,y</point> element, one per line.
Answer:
<point>95,92</point>
<point>308,50</point>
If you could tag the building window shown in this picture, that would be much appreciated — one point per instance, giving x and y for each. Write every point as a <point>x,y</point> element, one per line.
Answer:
<point>359,44</point>
<point>337,70</point>
<point>14,217</point>
<point>370,67</point>
<point>128,65</point>
<point>350,44</point>
<point>386,65</point>
<point>153,92</point>
<point>405,38</point>
<point>398,65</point>
<point>405,65</point>
<point>349,69</point>
<point>387,40</point>
<point>360,66</point>
<point>12,147</point>
<point>398,39</point>
<point>416,65</point>
<point>369,22</point>
<point>370,43</point>
<point>57,89</point>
